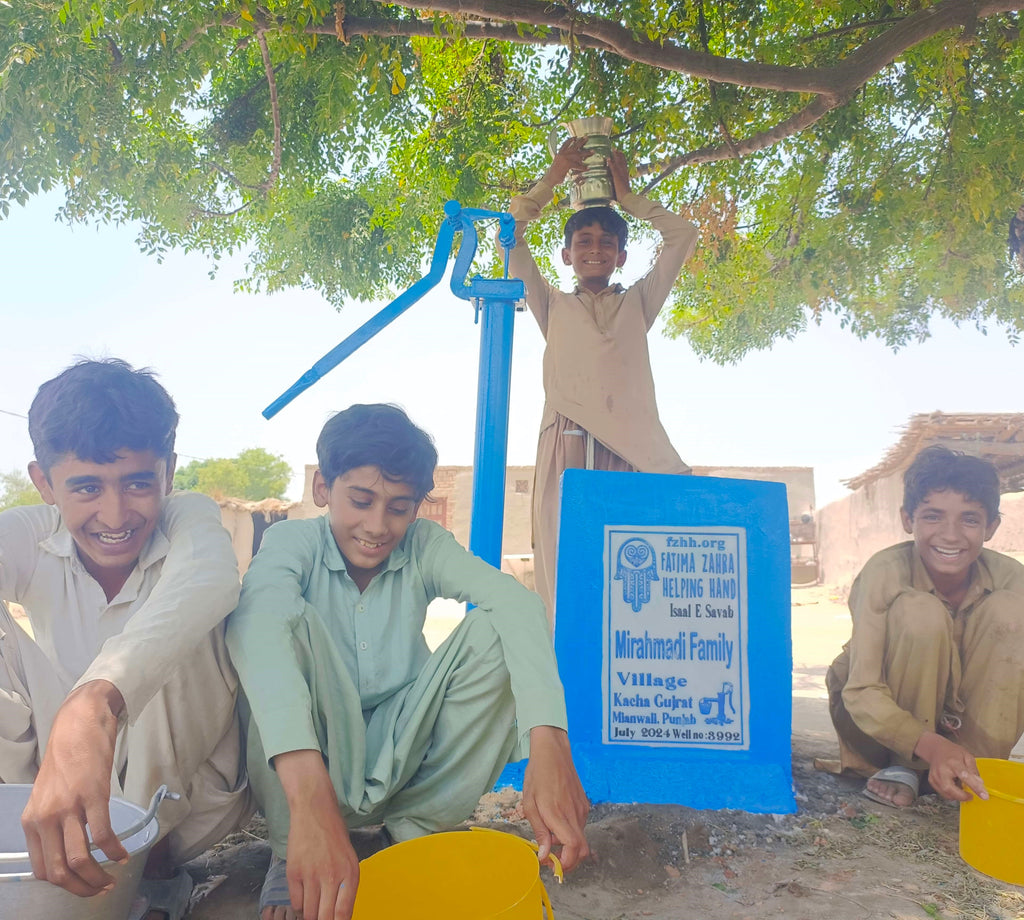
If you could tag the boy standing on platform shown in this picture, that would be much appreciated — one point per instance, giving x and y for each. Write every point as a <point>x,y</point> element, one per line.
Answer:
<point>126,679</point>
<point>932,677</point>
<point>600,410</point>
<point>353,721</point>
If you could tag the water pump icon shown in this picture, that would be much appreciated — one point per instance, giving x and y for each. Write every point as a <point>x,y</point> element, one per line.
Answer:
<point>720,718</point>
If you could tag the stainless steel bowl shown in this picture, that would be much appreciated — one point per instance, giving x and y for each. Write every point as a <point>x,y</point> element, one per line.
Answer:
<point>23,895</point>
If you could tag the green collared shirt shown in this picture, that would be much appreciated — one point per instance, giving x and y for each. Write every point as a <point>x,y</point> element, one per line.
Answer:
<point>378,634</point>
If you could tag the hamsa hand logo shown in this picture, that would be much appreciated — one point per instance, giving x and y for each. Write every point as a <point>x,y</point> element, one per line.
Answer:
<point>636,567</point>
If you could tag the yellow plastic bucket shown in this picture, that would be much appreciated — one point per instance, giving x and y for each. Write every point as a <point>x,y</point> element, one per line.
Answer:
<point>990,831</point>
<point>461,875</point>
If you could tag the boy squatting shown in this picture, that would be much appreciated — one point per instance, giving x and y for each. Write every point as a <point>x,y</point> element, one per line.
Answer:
<point>127,680</point>
<point>932,677</point>
<point>352,721</point>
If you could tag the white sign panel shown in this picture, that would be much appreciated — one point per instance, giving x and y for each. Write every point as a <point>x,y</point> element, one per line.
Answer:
<point>675,637</point>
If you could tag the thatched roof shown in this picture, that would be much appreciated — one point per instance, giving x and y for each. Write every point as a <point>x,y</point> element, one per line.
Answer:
<point>266,505</point>
<point>996,437</point>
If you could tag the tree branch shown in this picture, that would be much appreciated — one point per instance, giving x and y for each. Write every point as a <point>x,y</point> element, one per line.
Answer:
<point>275,110</point>
<point>946,137</point>
<point>205,212</point>
<point>220,22</point>
<point>852,27</point>
<point>845,76</point>
<point>878,53</point>
<point>476,31</point>
<point>712,84</point>
<point>807,116</point>
<point>557,117</point>
<point>622,41</point>
<point>539,22</point>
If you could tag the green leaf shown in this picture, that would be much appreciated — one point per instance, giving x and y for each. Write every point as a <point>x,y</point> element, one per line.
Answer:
<point>888,211</point>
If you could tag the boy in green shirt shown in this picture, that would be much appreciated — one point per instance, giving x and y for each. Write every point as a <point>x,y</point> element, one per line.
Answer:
<point>353,721</point>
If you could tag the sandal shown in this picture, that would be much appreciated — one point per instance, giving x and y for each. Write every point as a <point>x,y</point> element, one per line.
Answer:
<point>274,892</point>
<point>903,776</point>
<point>167,895</point>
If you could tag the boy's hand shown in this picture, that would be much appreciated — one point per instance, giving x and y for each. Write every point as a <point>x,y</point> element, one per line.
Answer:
<point>72,789</point>
<point>619,169</point>
<point>571,155</point>
<point>323,869</point>
<point>952,770</point>
<point>553,798</point>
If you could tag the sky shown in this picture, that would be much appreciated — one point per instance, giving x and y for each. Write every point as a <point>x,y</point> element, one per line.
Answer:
<point>825,400</point>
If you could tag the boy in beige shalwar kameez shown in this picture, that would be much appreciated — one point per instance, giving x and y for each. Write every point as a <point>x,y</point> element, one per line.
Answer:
<point>598,387</point>
<point>125,682</point>
<point>932,677</point>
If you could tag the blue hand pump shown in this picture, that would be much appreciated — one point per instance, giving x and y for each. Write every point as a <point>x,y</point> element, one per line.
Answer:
<point>495,300</point>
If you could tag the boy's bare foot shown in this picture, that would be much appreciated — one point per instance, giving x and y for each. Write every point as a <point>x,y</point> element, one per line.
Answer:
<point>278,913</point>
<point>274,901</point>
<point>896,786</point>
<point>896,794</point>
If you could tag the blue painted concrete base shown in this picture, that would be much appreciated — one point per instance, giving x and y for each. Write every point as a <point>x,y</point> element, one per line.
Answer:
<point>512,776</point>
<point>673,640</point>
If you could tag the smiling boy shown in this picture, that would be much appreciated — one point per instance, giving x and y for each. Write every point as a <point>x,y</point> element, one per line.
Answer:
<point>600,410</point>
<point>932,676</point>
<point>353,721</point>
<point>125,680</point>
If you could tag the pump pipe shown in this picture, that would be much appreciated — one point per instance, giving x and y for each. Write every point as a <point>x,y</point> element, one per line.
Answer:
<point>496,299</point>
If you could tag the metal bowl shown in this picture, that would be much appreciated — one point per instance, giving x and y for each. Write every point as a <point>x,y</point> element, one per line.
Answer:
<point>23,895</point>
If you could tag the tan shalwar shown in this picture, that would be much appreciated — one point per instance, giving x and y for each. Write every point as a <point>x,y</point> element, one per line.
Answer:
<point>597,369</point>
<point>160,642</point>
<point>912,658</point>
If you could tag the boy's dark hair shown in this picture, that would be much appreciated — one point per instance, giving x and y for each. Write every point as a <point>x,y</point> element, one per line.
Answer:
<point>939,469</point>
<point>377,435</point>
<point>608,219</point>
<point>93,409</point>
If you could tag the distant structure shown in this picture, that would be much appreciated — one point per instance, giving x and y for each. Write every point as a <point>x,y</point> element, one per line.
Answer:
<point>450,504</point>
<point>852,529</point>
<point>803,528</point>
<point>247,521</point>
<point>451,499</point>
<point>454,488</point>
<point>998,438</point>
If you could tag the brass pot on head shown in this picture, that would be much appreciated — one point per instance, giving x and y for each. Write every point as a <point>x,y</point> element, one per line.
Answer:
<point>592,185</point>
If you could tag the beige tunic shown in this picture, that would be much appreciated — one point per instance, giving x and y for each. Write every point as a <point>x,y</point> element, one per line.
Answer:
<point>597,369</point>
<point>160,641</point>
<point>912,658</point>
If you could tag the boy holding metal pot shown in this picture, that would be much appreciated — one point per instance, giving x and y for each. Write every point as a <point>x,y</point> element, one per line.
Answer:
<point>599,404</point>
<point>125,683</point>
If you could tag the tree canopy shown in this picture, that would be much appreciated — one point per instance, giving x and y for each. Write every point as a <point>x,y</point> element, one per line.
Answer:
<point>254,474</point>
<point>863,157</point>
<point>17,489</point>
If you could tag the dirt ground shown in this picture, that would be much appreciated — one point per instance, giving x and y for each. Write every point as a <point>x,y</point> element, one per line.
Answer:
<point>840,856</point>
